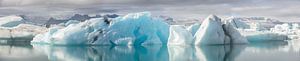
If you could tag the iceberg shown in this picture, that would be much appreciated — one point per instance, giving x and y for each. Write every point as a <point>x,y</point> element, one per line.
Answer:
<point>213,31</point>
<point>210,32</point>
<point>179,36</point>
<point>132,29</point>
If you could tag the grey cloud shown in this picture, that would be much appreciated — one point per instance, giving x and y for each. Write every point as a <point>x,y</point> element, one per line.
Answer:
<point>174,8</point>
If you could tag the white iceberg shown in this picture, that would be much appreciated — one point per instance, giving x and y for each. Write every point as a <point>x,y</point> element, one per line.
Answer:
<point>213,31</point>
<point>179,36</point>
<point>210,32</point>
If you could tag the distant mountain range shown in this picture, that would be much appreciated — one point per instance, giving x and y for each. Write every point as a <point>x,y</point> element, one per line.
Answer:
<point>52,20</point>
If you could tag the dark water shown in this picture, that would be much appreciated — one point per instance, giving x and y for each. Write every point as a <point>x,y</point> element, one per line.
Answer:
<point>266,51</point>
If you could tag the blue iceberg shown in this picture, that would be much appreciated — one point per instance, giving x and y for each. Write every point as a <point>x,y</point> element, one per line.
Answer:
<point>132,29</point>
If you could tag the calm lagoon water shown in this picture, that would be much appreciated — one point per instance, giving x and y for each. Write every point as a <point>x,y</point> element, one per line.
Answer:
<point>266,51</point>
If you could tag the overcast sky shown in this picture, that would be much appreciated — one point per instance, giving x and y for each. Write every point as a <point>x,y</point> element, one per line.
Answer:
<point>285,10</point>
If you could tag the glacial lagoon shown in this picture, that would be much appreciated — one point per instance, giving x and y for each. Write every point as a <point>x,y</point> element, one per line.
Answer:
<point>263,51</point>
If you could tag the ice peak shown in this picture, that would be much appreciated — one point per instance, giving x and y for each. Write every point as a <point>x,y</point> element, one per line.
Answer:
<point>213,17</point>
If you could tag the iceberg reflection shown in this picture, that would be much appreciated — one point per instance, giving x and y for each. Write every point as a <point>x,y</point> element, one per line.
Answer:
<point>105,53</point>
<point>141,53</point>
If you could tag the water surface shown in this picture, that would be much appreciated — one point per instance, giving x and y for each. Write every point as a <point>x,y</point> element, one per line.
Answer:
<point>265,51</point>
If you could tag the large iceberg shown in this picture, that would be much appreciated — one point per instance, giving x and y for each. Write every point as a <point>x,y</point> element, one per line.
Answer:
<point>132,29</point>
<point>214,31</point>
